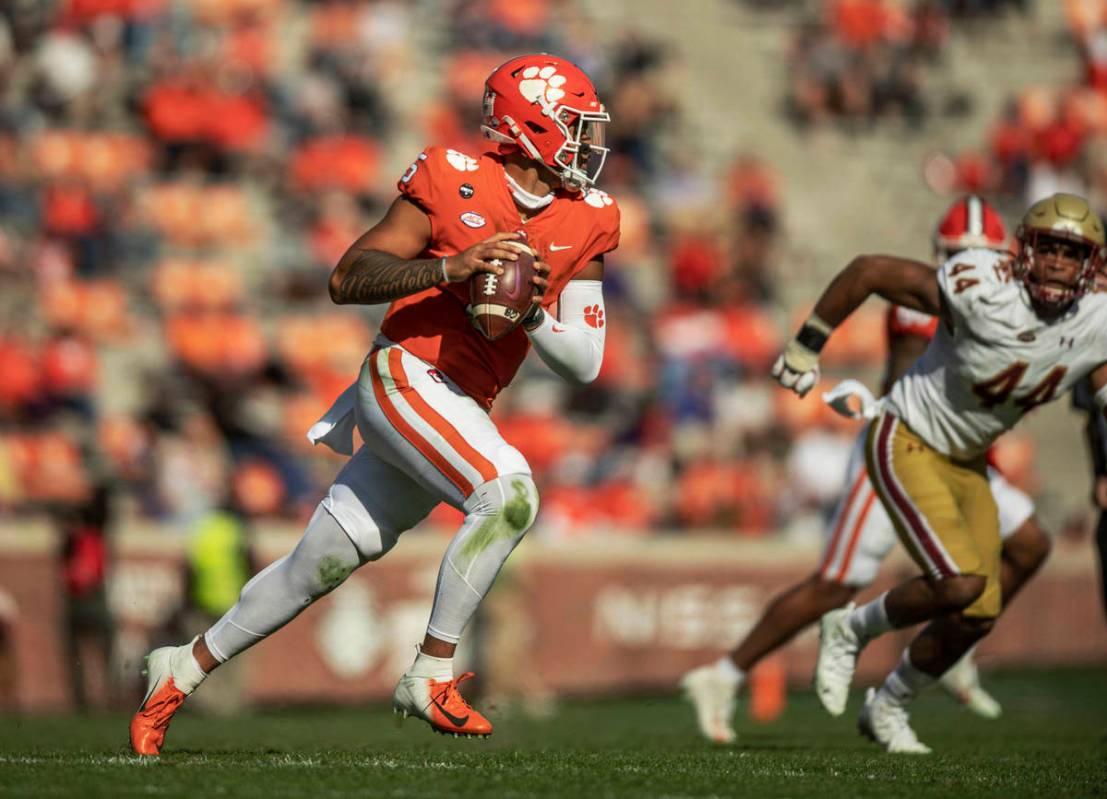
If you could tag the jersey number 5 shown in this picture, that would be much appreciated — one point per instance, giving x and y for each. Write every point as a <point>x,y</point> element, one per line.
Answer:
<point>997,390</point>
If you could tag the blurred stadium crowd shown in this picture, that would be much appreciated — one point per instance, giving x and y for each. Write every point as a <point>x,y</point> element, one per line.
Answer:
<point>177,178</point>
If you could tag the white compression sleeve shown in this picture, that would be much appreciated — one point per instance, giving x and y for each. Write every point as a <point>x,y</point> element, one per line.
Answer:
<point>573,344</point>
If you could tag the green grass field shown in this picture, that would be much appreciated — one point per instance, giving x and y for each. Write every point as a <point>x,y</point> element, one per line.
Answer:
<point>1051,742</point>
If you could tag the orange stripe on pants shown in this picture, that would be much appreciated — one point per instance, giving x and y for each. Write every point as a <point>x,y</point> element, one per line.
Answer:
<point>856,536</point>
<point>432,417</point>
<point>833,547</point>
<point>412,435</point>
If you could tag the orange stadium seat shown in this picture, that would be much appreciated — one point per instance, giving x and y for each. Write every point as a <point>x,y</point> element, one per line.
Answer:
<point>20,377</point>
<point>190,215</point>
<point>81,11</point>
<point>223,12</point>
<point>323,345</point>
<point>179,284</point>
<point>336,162</point>
<point>96,308</point>
<point>626,506</point>
<point>125,443</point>
<point>217,342</point>
<point>724,493</point>
<point>69,366</point>
<point>465,73</point>
<point>258,489</point>
<point>520,16</point>
<point>46,467</point>
<point>104,160</point>
<point>542,438</point>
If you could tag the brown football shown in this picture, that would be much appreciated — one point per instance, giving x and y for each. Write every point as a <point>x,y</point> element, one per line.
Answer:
<point>499,302</point>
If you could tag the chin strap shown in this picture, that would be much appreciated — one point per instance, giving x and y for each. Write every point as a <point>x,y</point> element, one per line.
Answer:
<point>530,201</point>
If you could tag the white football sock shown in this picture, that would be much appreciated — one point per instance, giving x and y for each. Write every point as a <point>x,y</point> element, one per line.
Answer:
<point>725,666</point>
<point>441,669</point>
<point>870,620</point>
<point>186,672</point>
<point>903,684</point>
<point>498,514</point>
<point>321,561</point>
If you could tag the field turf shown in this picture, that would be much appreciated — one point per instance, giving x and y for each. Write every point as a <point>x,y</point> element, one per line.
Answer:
<point>1051,742</point>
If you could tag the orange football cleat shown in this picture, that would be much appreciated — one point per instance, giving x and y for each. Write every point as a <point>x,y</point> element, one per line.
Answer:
<point>150,723</point>
<point>441,705</point>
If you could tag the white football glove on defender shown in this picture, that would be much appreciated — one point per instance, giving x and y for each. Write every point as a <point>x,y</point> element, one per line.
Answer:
<point>797,368</point>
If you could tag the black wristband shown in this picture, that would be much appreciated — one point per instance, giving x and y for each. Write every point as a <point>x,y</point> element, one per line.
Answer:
<point>812,338</point>
<point>533,318</point>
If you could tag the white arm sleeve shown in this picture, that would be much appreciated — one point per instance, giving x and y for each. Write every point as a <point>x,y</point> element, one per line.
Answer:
<point>572,346</point>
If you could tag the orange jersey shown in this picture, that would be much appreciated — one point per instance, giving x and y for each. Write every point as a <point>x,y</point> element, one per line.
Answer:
<point>468,200</point>
<point>909,322</point>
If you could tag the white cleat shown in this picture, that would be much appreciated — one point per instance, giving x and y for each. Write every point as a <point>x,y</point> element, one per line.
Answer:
<point>962,682</point>
<point>713,696</point>
<point>886,723</point>
<point>838,648</point>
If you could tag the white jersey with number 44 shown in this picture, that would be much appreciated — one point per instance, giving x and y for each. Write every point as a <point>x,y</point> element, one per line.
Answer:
<point>999,359</point>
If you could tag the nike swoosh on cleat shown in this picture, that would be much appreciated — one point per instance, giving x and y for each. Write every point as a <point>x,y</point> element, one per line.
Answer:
<point>560,247</point>
<point>457,721</point>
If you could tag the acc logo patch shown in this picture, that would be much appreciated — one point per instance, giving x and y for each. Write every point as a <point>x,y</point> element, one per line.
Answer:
<point>466,191</point>
<point>473,219</point>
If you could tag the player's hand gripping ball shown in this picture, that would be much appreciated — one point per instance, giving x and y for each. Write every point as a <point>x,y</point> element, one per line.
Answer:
<point>498,300</point>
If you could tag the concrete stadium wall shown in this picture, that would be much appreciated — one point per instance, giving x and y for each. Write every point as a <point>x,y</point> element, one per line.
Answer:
<point>602,615</point>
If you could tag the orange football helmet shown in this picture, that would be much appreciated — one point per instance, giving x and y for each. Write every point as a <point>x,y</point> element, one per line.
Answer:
<point>970,222</point>
<point>548,108</point>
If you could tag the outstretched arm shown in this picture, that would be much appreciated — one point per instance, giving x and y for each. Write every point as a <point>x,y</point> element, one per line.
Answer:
<point>903,281</point>
<point>381,265</point>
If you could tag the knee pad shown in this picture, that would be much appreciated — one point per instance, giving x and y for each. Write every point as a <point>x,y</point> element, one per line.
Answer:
<point>513,497</point>
<point>323,559</point>
<point>509,503</point>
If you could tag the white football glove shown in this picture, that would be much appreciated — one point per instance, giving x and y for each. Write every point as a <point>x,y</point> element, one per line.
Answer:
<point>797,368</point>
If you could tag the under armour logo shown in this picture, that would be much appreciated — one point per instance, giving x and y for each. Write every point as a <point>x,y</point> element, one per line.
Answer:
<point>1066,342</point>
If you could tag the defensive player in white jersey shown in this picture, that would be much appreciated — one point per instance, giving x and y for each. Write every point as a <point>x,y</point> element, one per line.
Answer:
<point>421,400</point>
<point>860,534</point>
<point>1015,333</point>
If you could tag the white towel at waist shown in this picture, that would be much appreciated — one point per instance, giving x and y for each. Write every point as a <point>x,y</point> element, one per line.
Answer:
<point>336,427</point>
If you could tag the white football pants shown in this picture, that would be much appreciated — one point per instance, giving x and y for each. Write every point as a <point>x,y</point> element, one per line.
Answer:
<point>426,442</point>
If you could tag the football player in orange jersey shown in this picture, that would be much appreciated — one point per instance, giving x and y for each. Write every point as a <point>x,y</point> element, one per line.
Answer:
<point>860,534</point>
<point>421,401</point>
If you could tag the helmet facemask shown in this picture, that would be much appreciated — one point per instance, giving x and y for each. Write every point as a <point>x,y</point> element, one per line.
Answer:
<point>581,158</point>
<point>1035,266</point>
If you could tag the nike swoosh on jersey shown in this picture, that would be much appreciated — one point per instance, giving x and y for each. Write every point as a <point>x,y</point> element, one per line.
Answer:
<point>559,247</point>
<point>556,329</point>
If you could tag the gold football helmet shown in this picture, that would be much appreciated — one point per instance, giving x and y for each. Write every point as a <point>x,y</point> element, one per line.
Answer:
<point>1068,229</point>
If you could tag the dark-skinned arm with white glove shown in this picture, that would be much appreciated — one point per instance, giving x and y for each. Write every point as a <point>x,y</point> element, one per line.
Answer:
<point>902,281</point>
